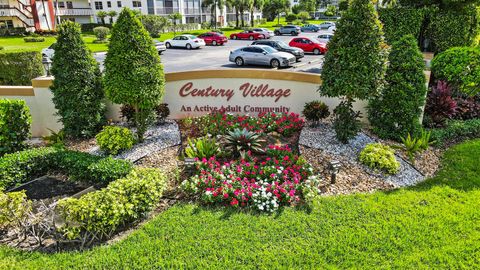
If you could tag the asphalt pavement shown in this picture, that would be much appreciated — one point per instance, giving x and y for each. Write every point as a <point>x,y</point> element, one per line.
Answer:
<point>216,57</point>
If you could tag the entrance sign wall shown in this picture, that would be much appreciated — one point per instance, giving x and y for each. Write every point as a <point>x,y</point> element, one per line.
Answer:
<point>194,93</point>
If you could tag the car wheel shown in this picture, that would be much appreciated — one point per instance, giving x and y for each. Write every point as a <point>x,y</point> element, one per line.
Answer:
<point>168,45</point>
<point>293,33</point>
<point>275,63</point>
<point>277,33</point>
<point>251,37</point>
<point>188,46</point>
<point>214,43</point>
<point>234,37</point>
<point>316,51</point>
<point>159,52</point>
<point>239,61</point>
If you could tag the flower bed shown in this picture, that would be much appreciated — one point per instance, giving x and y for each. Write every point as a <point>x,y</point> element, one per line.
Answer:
<point>280,178</point>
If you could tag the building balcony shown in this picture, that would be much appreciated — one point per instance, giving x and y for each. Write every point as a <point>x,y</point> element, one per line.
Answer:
<point>15,12</point>
<point>74,12</point>
<point>167,10</point>
<point>191,11</point>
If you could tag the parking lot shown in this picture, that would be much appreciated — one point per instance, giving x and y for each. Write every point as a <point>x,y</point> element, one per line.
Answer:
<point>216,57</point>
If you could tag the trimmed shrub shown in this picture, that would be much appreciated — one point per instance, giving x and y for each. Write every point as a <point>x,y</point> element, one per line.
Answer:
<point>290,17</point>
<point>454,28</point>
<point>19,68</point>
<point>88,27</point>
<point>380,157</point>
<point>456,131</point>
<point>346,123</point>
<point>355,63</point>
<point>315,111</point>
<point>133,71</point>
<point>23,166</point>
<point>113,139</point>
<point>396,111</point>
<point>34,39</point>
<point>101,32</point>
<point>77,88</point>
<point>154,24</point>
<point>14,207</point>
<point>401,21</point>
<point>99,214</point>
<point>460,67</point>
<point>15,121</point>
<point>161,113</point>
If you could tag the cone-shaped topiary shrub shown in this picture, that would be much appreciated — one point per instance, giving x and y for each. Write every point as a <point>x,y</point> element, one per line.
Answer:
<point>396,111</point>
<point>77,88</point>
<point>133,72</point>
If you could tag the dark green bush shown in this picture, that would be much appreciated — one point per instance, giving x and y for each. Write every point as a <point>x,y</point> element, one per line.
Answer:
<point>101,32</point>
<point>315,111</point>
<point>456,131</point>
<point>133,71</point>
<point>460,67</point>
<point>77,88</point>
<point>23,166</point>
<point>15,121</point>
<point>88,27</point>
<point>396,111</point>
<point>346,123</point>
<point>16,31</point>
<point>454,28</point>
<point>99,214</point>
<point>154,24</point>
<point>290,17</point>
<point>400,21</point>
<point>19,68</point>
<point>34,39</point>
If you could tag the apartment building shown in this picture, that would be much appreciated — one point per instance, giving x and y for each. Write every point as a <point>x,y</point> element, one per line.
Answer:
<point>45,14</point>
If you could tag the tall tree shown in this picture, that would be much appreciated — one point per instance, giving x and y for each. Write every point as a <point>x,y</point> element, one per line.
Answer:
<point>396,111</point>
<point>175,17</point>
<point>112,14</point>
<point>154,24</point>
<point>133,71</point>
<point>355,63</point>
<point>255,5</point>
<point>214,5</point>
<point>77,88</point>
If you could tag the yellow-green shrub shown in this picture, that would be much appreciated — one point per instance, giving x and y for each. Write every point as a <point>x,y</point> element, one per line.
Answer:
<point>380,157</point>
<point>114,139</point>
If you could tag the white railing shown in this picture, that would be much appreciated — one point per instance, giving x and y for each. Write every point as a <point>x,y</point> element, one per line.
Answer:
<point>74,12</point>
<point>14,12</point>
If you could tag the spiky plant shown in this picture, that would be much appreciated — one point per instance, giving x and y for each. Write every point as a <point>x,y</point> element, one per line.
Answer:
<point>239,141</point>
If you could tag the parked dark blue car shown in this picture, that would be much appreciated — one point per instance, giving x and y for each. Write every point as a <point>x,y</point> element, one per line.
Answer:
<point>310,28</point>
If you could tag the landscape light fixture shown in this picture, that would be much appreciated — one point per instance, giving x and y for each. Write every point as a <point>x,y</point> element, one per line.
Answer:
<point>47,64</point>
<point>334,168</point>
<point>189,163</point>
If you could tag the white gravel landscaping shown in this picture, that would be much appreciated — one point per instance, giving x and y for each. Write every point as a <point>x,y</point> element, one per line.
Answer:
<point>323,138</point>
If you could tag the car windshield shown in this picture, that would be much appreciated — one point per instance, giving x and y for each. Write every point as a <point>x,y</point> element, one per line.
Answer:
<point>282,44</point>
<point>269,49</point>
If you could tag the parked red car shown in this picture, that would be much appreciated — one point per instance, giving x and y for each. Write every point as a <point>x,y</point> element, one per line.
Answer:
<point>247,34</point>
<point>309,45</point>
<point>212,38</point>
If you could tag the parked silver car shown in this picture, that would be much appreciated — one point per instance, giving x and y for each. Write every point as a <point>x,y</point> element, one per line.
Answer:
<point>326,25</point>
<point>261,55</point>
<point>325,38</point>
<point>288,30</point>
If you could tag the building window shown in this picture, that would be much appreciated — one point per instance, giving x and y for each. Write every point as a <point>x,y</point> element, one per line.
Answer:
<point>98,5</point>
<point>69,5</point>
<point>109,4</point>
<point>61,4</point>
<point>119,3</point>
<point>6,24</point>
<point>137,4</point>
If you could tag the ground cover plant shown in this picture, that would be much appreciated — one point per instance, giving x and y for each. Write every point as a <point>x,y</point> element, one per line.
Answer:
<point>433,225</point>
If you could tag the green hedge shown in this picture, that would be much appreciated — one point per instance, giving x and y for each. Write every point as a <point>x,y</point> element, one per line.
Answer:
<point>460,67</point>
<point>15,121</point>
<point>23,166</point>
<point>19,68</point>
<point>99,214</point>
<point>88,27</point>
<point>456,131</point>
<point>450,28</point>
<point>398,22</point>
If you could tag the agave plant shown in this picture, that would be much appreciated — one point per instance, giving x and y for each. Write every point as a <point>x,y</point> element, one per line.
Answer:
<point>240,141</point>
<point>205,147</point>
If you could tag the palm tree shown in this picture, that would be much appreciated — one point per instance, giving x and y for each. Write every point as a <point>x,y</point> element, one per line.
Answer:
<point>242,6</point>
<point>255,4</point>
<point>175,17</point>
<point>111,14</point>
<point>102,15</point>
<point>213,5</point>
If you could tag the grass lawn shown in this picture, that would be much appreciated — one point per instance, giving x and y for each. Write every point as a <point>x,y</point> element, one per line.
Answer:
<point>18,44</point>
<point>435,225</point>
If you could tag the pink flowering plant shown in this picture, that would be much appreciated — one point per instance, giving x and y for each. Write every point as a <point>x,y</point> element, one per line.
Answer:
<point>280,178</point>
<point>220,123</point>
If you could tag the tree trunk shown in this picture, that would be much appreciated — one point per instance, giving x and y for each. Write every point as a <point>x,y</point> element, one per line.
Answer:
<point>237,22</point>
<point>241,14</point>
<point>252,21</point>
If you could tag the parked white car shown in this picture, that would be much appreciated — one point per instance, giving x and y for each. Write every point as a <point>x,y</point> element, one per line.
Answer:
<point>185,41</point>
<point>266,33</point>
<point>48,52</point>
<point>326,25</point>
<point>325,38</point>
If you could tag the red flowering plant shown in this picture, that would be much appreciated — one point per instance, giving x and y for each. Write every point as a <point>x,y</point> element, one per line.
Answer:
<point>220,122</point>
<point>279,179</point>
